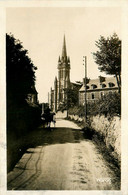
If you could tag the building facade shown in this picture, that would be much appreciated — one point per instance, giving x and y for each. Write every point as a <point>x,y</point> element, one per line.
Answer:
<point>33,96</point>
<point>97,88</point>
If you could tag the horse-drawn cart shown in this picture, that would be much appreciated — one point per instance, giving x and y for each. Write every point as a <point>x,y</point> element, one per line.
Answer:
<point>47,118</point>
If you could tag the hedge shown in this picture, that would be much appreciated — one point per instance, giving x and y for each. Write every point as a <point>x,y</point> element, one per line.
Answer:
<point>109,105</point>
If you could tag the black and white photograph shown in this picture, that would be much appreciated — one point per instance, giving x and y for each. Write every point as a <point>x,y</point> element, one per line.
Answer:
<point>63,98</point>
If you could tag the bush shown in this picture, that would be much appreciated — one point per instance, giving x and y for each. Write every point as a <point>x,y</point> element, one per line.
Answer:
<point>109,105</point>
<point>77,110</point>
<point>22,119</point>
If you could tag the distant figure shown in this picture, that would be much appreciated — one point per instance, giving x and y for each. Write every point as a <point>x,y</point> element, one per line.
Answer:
<point>43,120</point>
<point>53,118</point>
<point>48,117</point>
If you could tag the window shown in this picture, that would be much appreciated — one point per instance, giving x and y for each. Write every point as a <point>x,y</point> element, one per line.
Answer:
<point>61,73</point>
<point>102,94</point>
<point>111,84</point>
<point>94,86</point>
<point>103,85</point>
<point>93,96</point>
<point>29,97</point>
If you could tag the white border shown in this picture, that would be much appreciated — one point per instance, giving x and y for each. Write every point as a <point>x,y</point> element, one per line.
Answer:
<point>63,3</point>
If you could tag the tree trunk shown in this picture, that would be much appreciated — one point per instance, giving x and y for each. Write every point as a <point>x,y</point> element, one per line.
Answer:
<point>118,79</point>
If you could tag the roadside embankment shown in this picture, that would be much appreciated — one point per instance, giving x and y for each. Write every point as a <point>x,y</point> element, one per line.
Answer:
<point>21,120</point>
<point>110,130</point>
<point>106,129</point>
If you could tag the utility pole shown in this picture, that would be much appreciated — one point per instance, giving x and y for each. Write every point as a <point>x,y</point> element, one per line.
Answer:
<point>85,83</point>
<point>42,108</point>
<point>48,100</point>
<point>67,103</point>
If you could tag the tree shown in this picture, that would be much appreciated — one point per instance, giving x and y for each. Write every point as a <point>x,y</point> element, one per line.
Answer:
<point>19,69</point>
<point>108,105</point>
<point>109,56</point>
<point>71,99</point>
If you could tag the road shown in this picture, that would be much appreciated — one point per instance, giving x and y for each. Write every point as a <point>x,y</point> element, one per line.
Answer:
<point>62,159</point>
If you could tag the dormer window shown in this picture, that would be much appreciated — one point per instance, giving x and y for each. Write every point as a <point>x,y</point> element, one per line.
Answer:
<point>103,85</point>
<point>94,86</point>
<point>111,84</point>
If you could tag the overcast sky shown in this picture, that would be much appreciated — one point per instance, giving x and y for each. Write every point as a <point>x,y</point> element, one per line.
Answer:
<point>41,31</point>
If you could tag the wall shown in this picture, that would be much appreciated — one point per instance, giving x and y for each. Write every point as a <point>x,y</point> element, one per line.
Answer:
<point>109,129</point>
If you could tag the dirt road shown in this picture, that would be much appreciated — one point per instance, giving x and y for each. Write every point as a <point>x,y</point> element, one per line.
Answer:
<point>62,159</point>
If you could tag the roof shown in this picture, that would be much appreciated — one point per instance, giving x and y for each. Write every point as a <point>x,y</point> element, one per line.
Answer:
<point>33,90</point>
<point>64,52</point>
<point>96,84</point>
<point>76,86</point>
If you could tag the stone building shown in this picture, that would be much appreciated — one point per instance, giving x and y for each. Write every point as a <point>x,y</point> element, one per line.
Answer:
<point>33,96</point>
<point>58,95</point>
<point>97,88</point>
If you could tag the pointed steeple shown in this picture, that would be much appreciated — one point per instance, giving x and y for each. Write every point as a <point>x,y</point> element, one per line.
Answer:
<point>59,59</point>
<point>64,52</point>
<point>55,79</point>
<point>68,59</point>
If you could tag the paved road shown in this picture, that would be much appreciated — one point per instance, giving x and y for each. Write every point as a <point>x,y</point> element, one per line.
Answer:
<point>62,159</point>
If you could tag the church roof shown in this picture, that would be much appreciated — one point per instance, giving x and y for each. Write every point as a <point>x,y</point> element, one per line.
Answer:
<point>76,86</point>
<point>64,60</point>
<point>64,52</point>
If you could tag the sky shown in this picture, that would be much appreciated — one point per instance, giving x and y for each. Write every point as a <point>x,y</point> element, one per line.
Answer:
<point>41,31</point>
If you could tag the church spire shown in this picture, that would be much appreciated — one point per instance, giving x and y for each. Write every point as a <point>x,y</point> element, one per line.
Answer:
<point>59,59</point>
<point>64,52</point>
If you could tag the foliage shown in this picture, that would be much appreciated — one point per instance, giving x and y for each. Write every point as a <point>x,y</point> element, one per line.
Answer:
<point>109,105</point>
<point>109,56</point>
<point>20,70</point>
<point>77,110</point>
<point>71,99</point>
<point>21,120</point>
<point>21,117</point>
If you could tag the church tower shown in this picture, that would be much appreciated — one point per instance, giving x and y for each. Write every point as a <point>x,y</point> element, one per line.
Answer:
<point>55,95</point>
<point>63,73</point>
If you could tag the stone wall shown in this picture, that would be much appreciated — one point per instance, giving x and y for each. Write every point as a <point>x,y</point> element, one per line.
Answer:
<point>108,128</point>
<point>76,117</point>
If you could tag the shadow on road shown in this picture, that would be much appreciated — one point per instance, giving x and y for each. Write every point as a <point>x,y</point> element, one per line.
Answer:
<point>54,135</point>
<point>39,137</point>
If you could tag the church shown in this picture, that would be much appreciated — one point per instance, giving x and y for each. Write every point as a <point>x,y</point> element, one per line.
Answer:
<point>58,95</point>
<point>95,88</point>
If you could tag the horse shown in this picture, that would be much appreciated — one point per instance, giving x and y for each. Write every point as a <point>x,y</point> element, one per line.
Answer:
<point>47,118</point>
